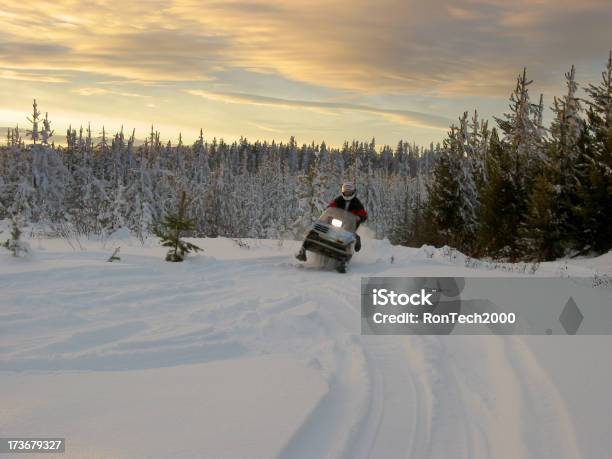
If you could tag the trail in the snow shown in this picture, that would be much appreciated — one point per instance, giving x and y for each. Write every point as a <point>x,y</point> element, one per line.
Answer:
<point>435,396</point>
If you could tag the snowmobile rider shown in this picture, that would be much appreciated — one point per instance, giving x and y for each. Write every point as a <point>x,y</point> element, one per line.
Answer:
<point>347,201</point>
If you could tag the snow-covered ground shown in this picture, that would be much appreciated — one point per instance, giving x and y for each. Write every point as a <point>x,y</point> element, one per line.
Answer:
<point>242,353</point>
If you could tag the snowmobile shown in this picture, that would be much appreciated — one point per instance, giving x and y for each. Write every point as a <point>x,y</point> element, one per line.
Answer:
<point>333,236</point>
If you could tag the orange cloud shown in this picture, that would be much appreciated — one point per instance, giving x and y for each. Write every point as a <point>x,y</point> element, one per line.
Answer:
<point>387,46</point>
<point>24,76</point>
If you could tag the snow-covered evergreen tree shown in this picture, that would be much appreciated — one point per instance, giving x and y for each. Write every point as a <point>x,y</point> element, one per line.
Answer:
<point>522,133</point>
<point>171,231</point>
<point>199,183</point>
<point>467,145</point>
<point>14,244</point>
<point>501,212</point>
<point>593,209</point>
<point>549,224</point>
<point>444,204</point>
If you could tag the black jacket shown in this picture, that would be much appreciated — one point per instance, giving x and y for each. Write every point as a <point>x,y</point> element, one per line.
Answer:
<point>354,206</point>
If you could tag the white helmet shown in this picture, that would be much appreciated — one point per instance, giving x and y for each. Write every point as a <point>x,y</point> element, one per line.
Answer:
<point>348,190</point>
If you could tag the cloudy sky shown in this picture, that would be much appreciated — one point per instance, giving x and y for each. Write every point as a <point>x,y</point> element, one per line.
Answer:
<point>268,69</point>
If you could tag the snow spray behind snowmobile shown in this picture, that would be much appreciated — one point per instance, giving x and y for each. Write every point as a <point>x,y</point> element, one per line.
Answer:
<point>333,236</point>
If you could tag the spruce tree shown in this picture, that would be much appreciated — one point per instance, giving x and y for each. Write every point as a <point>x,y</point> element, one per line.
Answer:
<point>543,229</point>
<point>548,226</point>
<point>521,128</point>
<point>500,211</point>
<point>199,183</point>
<point>311,189</point>
<point>566,131</point>
<point>468,185</point>
<point>594,209</point>
<point>520,162</point>
<point>172,229</point>
<point>443,214</point>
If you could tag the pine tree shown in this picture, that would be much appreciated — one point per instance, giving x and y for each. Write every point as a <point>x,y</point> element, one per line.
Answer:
<point>49,174</point>
<point>292,156</point>
<point>310,198</point>
<point>543,230</point>
<point>522,133</point>
<point>138,199</point>
<point>520,159</point>
<point>594,188</point>
<point>171,230</point>
<point>547,231</point>
<point>34,133</point>
<point>443,208</point>
<point>199,183</point>
<point>454,201</point>
<point>501,211</point>
<point>468,184</point>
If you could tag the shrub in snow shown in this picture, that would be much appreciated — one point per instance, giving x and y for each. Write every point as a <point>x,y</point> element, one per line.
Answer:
<point>14,244</point>
<point>172,228</point>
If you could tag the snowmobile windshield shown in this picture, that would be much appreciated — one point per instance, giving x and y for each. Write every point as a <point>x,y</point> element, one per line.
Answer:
<point>340,218</point>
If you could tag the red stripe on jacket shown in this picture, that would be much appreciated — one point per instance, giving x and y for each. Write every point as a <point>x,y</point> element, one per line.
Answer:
<point>361,213</point>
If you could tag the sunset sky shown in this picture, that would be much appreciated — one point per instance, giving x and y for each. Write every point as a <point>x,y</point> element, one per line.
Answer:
<point>268,69</point>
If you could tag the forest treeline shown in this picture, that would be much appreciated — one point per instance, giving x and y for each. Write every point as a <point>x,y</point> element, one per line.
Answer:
<point>524,191</point>
<point>243,189</point>
<point>518,190</point>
